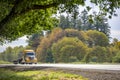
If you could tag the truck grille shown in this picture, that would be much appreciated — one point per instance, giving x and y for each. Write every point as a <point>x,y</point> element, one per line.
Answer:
<point>31,58</point>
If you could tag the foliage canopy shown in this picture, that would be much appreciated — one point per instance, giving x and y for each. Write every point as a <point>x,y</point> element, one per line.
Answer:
<point>23,17</point>
<point>71,45</point>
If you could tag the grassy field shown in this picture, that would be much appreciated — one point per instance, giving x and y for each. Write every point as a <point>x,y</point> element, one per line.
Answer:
<point>37,75</point>
<point>4,62</point>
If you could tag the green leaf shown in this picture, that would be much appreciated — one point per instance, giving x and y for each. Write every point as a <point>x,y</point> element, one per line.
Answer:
<point>88,8</point>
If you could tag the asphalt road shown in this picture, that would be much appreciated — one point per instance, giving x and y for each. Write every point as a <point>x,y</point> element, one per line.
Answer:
<point>69,66</point>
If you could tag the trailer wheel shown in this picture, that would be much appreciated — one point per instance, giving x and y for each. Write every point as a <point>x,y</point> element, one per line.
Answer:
<point>15,62</point>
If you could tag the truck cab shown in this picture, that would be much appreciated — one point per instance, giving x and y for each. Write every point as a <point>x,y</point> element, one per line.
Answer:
<point>28,57</point>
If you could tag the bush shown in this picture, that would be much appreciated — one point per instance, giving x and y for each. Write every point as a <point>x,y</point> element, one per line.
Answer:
<point>116,59</point>
<point>94,59</point>
<point>73,59</point>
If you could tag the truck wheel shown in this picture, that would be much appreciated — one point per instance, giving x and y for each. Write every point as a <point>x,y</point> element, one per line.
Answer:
<point>15,62</point>
<point>30,63</point>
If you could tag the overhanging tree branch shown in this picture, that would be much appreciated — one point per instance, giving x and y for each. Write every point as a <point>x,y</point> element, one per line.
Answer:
<point>35,7</point>
<point>13,12</point>
<point>8,17</point>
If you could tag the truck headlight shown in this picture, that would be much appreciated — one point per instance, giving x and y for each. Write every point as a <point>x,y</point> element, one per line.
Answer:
<point>27,59</point>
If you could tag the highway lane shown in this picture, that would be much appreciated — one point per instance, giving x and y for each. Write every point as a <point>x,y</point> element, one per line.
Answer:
<point>69,66</point>
<point>85,66</point>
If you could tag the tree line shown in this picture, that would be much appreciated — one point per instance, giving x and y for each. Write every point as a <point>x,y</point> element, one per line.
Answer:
<point>11,54</point>
<point>71,45</point>
<point>84,21</point>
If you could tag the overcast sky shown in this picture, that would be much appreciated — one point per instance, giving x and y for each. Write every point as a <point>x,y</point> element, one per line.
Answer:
<point>115,26</point>
<point>19,42</point>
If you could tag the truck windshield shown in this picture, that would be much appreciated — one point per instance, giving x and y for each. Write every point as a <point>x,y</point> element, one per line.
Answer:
<point>30,53</point>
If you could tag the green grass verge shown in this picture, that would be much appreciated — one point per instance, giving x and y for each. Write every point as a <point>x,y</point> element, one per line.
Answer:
<point>4,62</point>
<point>38,75</point>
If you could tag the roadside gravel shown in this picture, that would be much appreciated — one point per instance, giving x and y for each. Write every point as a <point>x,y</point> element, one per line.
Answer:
<point>97,74</point>
<point>90,73</point>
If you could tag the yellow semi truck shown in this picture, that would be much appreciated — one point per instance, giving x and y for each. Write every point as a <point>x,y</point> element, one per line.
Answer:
<point>28,57</point>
